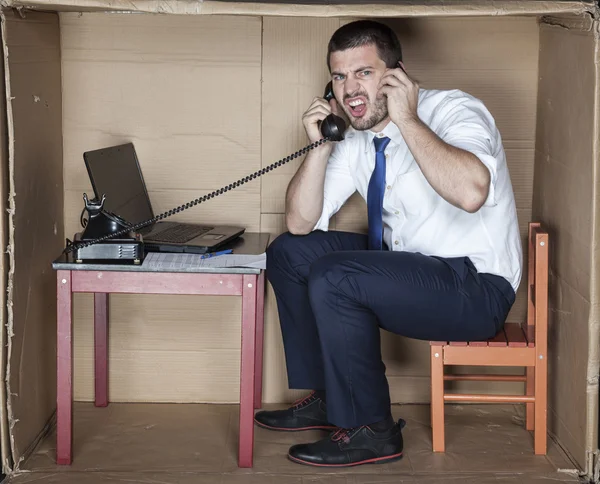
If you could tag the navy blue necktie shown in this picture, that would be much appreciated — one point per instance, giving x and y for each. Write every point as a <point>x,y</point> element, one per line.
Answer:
<point>375,195</point>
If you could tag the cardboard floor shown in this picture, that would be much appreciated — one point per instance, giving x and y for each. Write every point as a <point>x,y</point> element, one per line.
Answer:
<point>186,443</point>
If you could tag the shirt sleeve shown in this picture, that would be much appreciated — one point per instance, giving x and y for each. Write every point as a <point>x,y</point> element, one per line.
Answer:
<point>338,187</point>
<point>467,124</point>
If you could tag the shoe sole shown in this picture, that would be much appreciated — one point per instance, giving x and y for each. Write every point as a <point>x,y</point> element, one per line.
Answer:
<point>377,460</point>
<point>296,429</point>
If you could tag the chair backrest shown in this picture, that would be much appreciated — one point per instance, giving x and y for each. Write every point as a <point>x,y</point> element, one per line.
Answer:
<point>537,287</point>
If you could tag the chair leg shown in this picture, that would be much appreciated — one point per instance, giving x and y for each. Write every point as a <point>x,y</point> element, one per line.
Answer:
<point>541,402</point>
<point>530,407</point>
<point>437,398</point>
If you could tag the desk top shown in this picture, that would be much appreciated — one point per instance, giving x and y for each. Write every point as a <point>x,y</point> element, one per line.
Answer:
<point>247,258</point>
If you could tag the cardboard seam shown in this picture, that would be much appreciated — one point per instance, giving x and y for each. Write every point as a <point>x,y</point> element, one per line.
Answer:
<point>10,247</point>
<point>561,445</point>
<point>261,114</point>
<point>46,432</point>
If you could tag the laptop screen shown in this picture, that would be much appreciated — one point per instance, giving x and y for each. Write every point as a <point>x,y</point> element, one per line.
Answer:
<point>115,172</point>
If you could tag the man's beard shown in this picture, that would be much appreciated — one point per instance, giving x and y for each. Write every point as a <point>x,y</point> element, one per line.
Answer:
<point>378,110</point>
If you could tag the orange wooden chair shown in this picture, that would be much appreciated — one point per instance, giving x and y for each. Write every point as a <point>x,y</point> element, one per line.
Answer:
<point>522,345</point>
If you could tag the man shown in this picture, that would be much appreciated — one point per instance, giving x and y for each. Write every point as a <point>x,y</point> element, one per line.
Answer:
<point>442,259</point>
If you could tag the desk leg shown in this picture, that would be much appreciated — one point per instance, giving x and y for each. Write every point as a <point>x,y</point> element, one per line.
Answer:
<point>64,350</point>
<point>101,348</point>
<point>247,373</point>
<point>260,334</point>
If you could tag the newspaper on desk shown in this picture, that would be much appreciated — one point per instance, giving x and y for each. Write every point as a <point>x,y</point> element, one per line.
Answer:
<point>188,262</point>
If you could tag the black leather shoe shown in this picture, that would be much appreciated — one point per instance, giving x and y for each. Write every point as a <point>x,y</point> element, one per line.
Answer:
<point>352,447</point>
<point>308,413</point>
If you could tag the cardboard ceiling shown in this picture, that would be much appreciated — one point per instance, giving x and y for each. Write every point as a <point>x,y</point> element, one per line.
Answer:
<point>385,8</point>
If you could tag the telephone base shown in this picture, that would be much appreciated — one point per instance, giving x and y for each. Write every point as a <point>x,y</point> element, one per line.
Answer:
<point>127,250</point>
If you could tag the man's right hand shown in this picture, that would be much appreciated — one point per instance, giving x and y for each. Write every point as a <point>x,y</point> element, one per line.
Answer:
<point>304,196</point>
<point>316,112</point>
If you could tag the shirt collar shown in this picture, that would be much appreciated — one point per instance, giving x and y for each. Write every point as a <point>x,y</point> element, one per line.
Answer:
<point>390,130</point>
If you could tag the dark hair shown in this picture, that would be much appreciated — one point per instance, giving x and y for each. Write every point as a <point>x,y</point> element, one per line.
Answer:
<point>367,32</point>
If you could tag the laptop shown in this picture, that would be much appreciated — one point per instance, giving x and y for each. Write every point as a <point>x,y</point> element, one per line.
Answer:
<point>115,172</point>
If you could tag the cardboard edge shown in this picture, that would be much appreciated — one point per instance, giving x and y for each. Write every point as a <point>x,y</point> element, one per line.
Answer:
<point>593,366</point>
<point>220,7</point>
<point>5,454</point>
<point>8,463</point>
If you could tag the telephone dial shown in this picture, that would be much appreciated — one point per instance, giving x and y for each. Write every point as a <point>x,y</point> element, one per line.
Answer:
<point>108,238</point>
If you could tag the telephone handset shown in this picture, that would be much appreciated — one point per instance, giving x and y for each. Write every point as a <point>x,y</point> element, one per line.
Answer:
<point>100,221</point>
<point>332,126</point>
<point>107,237</point>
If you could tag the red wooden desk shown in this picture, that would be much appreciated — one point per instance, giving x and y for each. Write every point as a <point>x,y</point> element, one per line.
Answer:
<point>103,280</point>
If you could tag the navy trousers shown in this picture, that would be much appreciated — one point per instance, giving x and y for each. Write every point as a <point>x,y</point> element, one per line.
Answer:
<point>334,295</point>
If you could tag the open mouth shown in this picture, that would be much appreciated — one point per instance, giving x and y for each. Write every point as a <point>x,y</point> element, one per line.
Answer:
<point>357,107</point>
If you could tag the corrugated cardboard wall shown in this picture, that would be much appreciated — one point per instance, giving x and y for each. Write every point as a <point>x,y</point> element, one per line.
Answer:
<point>186,91</point>
<point>563,199</point>
<point>33,46</point>
<point>207,100</point>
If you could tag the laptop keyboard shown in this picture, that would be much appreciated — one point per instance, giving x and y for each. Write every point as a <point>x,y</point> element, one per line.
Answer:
<point>180,233</point>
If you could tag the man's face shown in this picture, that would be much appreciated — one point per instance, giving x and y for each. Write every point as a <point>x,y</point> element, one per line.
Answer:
<point>355,74</point>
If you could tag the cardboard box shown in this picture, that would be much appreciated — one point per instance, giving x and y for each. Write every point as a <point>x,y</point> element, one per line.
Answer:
<point>211,91</point>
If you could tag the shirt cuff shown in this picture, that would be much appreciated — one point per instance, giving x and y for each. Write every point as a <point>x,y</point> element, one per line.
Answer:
<point>492,165</point>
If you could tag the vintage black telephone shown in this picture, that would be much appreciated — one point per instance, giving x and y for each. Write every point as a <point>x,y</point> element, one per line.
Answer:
<point>332,127</point>
<point>99,225</point>
<point>109,238</point>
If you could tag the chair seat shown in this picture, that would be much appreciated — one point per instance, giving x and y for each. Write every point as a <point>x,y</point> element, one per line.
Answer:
<point>512,334</point>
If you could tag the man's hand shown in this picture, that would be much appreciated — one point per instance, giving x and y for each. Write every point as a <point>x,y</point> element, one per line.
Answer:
<point>455,174</point>
<point>304,195</point>
<point>402,95</point>
<point>316,112</point>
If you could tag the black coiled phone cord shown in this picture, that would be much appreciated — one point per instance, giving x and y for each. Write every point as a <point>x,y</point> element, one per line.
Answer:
<point>198,200</point>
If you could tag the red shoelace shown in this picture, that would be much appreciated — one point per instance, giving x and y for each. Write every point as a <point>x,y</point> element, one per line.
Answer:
<point>304,400</point>
<point>344,434</point>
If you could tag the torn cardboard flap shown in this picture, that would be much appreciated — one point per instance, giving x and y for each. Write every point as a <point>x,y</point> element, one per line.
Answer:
<point>571,22</point>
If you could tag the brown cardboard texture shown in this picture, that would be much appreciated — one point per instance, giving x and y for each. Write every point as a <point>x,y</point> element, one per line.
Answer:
<point>334,8</point>
<point>138,433</point>
<point>562,172</point>
<point>35,204</point>
<point>216,93</point>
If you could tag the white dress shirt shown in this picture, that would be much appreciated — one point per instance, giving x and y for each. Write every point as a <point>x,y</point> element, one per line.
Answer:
<point>415,217</point>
